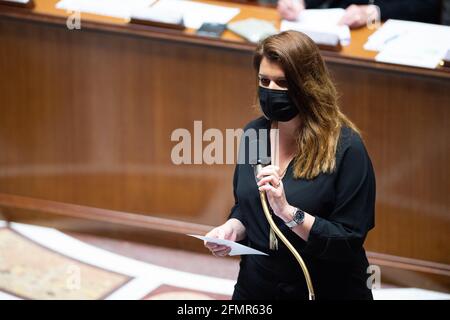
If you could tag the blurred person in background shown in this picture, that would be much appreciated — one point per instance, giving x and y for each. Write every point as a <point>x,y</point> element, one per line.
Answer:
<point>446,12</point>
<point>360,11</point>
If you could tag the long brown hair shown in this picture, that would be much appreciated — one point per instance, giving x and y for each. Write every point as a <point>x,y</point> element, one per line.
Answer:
<point>315,97</point>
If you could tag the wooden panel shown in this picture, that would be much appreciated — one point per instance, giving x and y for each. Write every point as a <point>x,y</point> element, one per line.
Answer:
<point>101,136</point>
<point>406,125</point>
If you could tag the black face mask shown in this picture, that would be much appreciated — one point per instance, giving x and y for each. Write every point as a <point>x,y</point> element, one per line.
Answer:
<point>276,104</point>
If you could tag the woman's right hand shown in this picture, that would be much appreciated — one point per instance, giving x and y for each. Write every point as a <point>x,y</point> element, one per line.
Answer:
<point>290,9</point>
<point>231,230</point>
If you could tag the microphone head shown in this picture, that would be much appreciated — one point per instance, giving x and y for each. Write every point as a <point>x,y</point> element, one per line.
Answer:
<point>264,161</point>
<point>257,152</point>
<point>258,156</point>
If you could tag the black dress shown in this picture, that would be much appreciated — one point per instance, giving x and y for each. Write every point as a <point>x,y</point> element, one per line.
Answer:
<point>343,205</point>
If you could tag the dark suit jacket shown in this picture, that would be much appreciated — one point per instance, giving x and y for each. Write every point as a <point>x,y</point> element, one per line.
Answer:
<point>446,12</point>
<point>413,10</point>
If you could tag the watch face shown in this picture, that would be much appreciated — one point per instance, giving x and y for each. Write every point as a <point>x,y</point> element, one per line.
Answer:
<point>299,216</point>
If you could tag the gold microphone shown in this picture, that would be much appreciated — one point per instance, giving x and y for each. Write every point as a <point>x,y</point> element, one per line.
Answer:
<point>274,228</point>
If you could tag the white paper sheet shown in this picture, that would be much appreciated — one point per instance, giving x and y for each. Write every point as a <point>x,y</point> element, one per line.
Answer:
<point>236,248</point>
<point>405,51</point>
<point>111,8</point>
<point>196,13</point>
<point>394,30</point>
<point>410,43</point>
<point>321,25</point>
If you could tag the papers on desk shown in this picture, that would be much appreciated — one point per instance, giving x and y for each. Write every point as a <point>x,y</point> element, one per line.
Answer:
<point>112,8</point>
<point>414,50</point>
<point>321,25</point>
<point>236,248</point>
<point>410,43</point>
<point>395,29</point>
<point>196,13</point>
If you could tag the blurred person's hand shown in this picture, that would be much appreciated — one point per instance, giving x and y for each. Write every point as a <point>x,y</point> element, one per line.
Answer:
<point>357,16</point>
<point>290,9</point>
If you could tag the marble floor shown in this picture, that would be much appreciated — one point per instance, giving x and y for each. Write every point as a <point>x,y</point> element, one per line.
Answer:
<point>44,263</point>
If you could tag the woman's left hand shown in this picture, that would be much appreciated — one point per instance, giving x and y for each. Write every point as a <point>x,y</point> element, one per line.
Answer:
<point>272,184</point>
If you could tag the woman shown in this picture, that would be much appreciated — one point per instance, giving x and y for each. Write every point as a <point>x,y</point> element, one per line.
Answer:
<point>323,185</point>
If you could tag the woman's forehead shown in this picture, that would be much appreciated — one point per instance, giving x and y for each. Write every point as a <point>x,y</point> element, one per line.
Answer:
<point>269,68</point>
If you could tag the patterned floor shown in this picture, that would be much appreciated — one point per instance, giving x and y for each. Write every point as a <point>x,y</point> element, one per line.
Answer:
<point>43,263</point>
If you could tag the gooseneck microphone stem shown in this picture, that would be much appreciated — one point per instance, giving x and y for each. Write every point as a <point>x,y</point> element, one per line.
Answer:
<point>280,235</point>
<point>291,248</point>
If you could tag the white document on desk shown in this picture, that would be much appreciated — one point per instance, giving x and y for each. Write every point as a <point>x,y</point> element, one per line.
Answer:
<point>111,8</point>
<point>322,25</point>
<point>196,13</point>
<point>410,43</point>
<point>236,248</point>
<point>406,51</point>
<point>392,30</point>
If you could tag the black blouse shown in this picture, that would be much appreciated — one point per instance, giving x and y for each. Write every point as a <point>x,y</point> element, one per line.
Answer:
<point>343,204</point>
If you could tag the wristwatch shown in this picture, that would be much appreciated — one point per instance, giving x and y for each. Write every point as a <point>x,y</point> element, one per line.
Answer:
<point>297,218</point>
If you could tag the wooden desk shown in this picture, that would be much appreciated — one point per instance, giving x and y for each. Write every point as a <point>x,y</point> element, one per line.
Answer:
<point>86,118</point>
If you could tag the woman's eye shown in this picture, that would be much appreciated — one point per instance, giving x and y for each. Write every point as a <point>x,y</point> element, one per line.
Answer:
<point>282,83</point>
<point>264,82</point>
